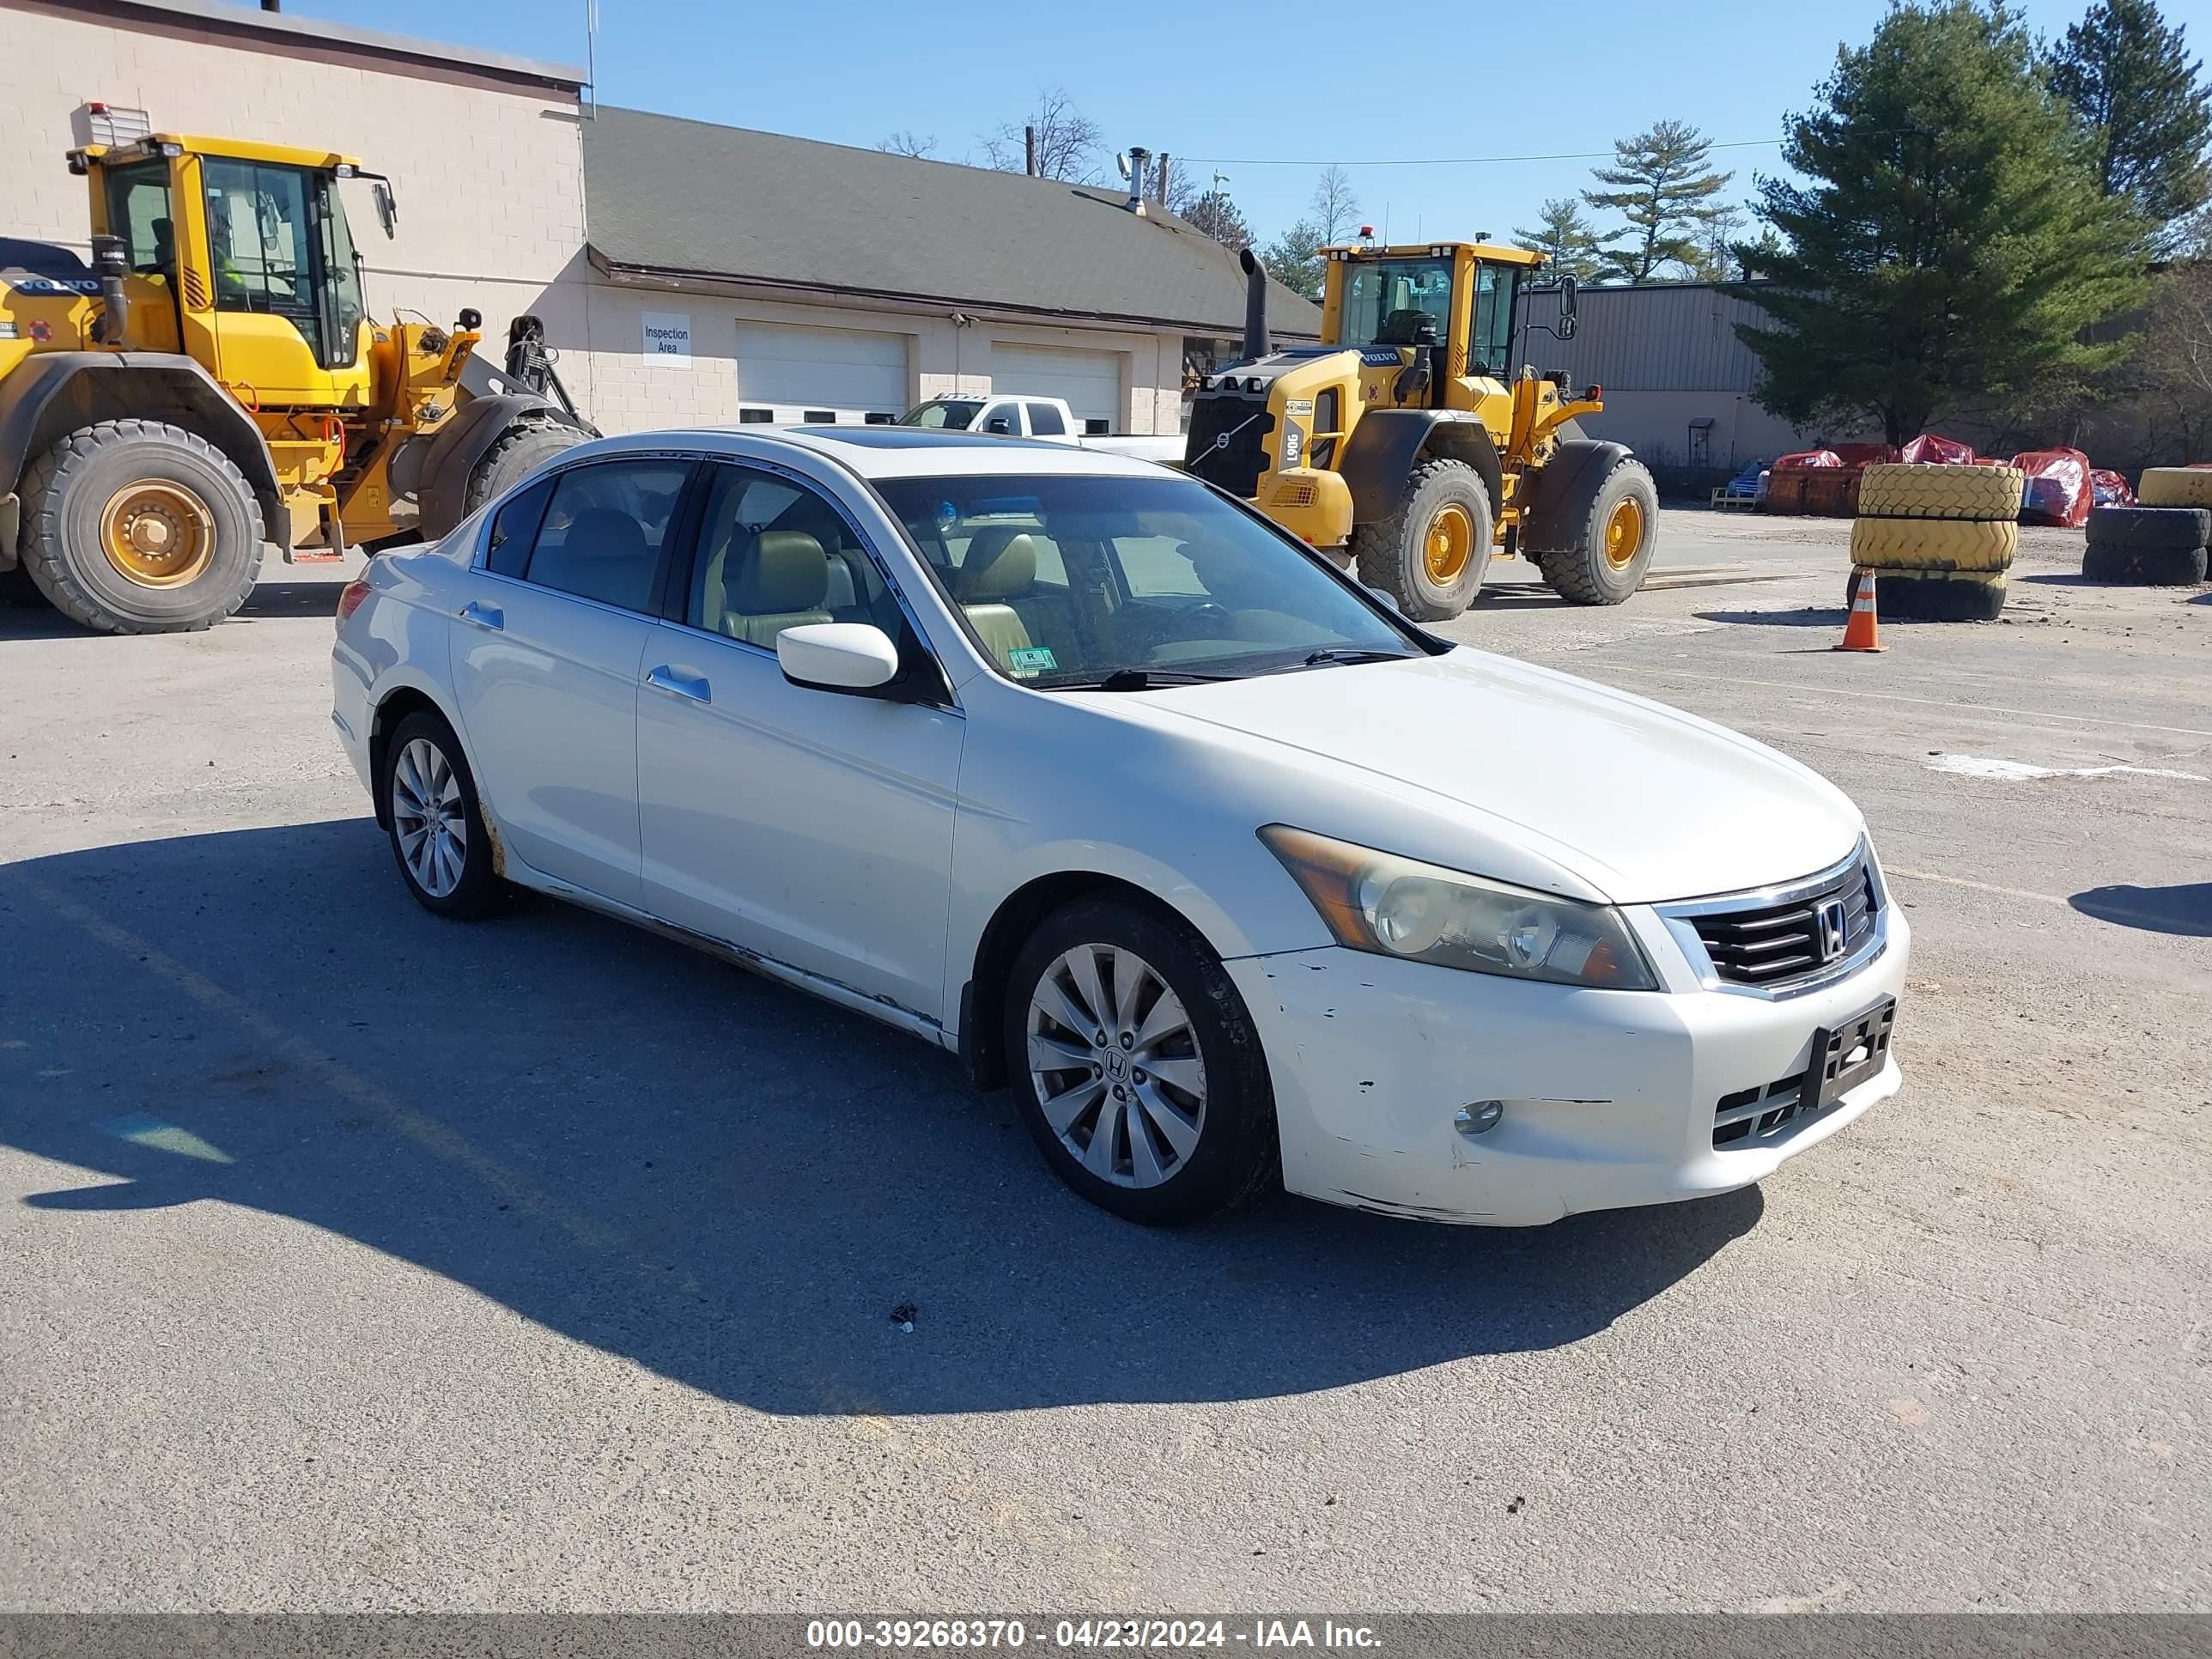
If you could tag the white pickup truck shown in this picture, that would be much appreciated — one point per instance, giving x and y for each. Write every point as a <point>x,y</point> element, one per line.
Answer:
<point>1048,420</point>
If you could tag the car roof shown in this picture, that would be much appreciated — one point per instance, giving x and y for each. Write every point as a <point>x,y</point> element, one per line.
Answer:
<point>884,451</point>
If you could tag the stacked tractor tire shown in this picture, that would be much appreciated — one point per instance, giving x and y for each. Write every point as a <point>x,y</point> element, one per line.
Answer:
<point>2160,542</point>
<point>1940,537</point>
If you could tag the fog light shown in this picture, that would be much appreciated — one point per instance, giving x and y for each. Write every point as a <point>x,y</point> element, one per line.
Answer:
<point>1480,1118</point>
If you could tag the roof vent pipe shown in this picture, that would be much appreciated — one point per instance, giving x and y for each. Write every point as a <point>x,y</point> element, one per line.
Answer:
<point>1134,167</point>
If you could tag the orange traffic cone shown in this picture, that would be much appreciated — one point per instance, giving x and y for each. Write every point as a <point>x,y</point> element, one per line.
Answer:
<point>1860,632</point>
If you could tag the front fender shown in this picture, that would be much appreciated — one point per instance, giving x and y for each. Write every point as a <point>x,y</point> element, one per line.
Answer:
<point>1555,500</point>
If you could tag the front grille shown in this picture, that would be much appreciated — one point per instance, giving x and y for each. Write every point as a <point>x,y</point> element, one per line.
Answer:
<point>1777,945</point>
<point>1226,444</point>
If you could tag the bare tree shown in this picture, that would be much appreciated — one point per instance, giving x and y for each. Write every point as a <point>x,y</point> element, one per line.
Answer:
<point>903,142</point>
<point>1335,208</point>
<point>1067,141</point>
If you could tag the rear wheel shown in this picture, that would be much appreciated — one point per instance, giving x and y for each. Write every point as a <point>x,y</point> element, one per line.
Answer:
<point>435,822</point>
<point>1614,549</point>
<point>520,452</point>
<point>1430,554</point>
<point>140,527</point>
<point>1139,1073</point>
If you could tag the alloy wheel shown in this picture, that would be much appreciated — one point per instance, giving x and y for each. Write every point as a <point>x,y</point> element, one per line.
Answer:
<point>1115,1064</point>
<point>428,814</point>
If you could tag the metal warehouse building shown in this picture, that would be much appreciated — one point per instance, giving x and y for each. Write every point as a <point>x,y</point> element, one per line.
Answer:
<point>686,272</point>
<point>1678,381</point>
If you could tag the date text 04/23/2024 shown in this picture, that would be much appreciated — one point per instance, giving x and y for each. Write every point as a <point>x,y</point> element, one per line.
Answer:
<point>1089,1633</point>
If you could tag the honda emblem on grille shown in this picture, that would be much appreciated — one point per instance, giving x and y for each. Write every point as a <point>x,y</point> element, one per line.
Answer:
<point>1830,918</point>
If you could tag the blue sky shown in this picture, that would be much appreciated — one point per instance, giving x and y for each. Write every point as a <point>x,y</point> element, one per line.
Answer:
<point>1541,80</point>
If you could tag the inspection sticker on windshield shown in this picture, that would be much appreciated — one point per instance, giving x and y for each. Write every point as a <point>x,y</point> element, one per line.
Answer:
<point>1028,660</point>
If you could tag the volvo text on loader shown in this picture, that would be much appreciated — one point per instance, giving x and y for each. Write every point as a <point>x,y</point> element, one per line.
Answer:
<point>1408,447</point>
<point>213,381</point>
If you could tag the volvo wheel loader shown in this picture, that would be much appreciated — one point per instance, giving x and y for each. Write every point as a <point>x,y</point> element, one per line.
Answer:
<point>212,382</point>
<point>1406,447</point>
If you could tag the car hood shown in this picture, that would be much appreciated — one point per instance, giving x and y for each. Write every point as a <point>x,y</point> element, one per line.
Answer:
<point>1640,802</point>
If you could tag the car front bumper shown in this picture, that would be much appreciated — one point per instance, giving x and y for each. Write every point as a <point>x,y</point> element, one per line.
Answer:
<point>1610,1097</point>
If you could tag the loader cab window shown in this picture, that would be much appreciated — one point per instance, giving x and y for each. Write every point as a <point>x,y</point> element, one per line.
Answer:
<point>138,212</point>
<point>1491,346</point>
<point>282,248</point>
<point>1386,300</point>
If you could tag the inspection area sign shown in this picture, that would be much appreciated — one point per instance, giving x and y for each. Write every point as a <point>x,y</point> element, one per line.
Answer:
<point>668,338</point>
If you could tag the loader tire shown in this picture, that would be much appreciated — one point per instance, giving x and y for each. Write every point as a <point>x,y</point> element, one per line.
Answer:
<point>1900,491</point>
<point>140,527</point>
<point>2143,567</point>
<point>2175,486</point>
<point>2149,529</point>
<point>1934,543</point>
<point>1430,554</point>
<point>1615,547</point>
<point>519,451</point>
<point>1934,595</point>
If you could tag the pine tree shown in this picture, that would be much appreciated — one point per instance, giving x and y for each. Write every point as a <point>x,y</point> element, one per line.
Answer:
<point>1564,237</point>
<point>1293,259</point>
<point>1214,215</point>
<point>1661,187</point>
<point>1952,245</point>
<point>2132,81</point>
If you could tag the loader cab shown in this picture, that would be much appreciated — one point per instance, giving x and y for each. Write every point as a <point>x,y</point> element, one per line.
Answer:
<point>1457,296</point>
<point>242,255</point>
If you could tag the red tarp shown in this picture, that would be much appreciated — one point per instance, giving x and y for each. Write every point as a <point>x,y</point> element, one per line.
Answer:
<point>1865,454</point>
<point>1805,459</point>
<point>2111,489</point>
<point>1928,450</point>
<point>2059,490</point>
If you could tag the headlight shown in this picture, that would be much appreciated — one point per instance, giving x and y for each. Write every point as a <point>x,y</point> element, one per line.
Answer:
<point>1400,907</point>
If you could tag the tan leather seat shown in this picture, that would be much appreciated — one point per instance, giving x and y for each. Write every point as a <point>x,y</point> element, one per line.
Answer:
<point>603,555</point>
<point>1001,565</point>
<point>781,580</point>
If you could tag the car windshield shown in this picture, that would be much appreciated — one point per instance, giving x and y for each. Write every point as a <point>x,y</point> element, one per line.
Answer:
<point>1071,580</point>
<point>957,413</point>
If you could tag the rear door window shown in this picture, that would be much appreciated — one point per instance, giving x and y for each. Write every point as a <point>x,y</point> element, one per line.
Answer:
<point>1045,421</point>
<point>606,529</point>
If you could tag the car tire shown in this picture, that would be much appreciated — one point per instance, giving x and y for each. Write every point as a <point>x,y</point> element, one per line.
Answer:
<point>1203,1110</point>
<point>1430,554</point>
<point>1978,545</point>
<point>80,500</point>
<point>1615,548</point>
<point>450,874</point>
<point>2175,486</point>
<point>2149,529</point>
<point>1906,489</point>
<point>2143,567</point>
<point>1933,595</point>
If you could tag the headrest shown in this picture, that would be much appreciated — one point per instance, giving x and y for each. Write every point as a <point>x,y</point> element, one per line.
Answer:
<point>605,532</point>
<point>787,571</point>
<point>1001,563</point>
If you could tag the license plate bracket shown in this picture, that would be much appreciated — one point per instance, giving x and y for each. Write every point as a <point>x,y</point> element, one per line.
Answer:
<point>1846,1054</point>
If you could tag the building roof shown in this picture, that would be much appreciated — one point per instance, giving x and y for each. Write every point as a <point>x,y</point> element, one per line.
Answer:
<point>672,197</point>
<point>281,29</point>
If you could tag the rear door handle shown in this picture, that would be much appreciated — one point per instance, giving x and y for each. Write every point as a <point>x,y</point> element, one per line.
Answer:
<point>680,683</point>
<point>479,615</point>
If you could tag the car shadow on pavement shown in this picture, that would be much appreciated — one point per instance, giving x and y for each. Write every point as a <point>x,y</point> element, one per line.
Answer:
<point>2185,908</point>
<point>645,1150</point>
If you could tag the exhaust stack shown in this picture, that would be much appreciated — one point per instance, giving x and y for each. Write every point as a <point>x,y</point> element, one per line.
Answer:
<point>1256,343</point>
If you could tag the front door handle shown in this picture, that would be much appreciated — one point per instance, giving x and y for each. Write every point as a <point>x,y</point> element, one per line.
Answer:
<point>680,683</point>
<point>479,615</point>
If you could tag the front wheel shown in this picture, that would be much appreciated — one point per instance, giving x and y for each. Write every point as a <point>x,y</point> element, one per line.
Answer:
<point>436,824</point>
<point>1430,554</point>
<point>1140,1075</point>
<point>1614,548</point>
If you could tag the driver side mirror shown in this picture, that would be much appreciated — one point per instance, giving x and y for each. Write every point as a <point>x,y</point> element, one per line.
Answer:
<point>387,208</point>
<point>999,424</point>
<point>1567,288</point>
<point>837,656</point>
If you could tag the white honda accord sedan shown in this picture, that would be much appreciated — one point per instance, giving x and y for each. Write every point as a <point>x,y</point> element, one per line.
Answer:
<point>1085,772</point>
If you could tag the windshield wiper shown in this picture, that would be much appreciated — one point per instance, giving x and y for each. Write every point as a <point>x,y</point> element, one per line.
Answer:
<point>1337,653</point>
<point>1134,679</point>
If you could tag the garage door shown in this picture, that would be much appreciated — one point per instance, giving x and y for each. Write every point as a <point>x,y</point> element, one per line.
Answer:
<point>1090,380</point>
<point>787,373</point>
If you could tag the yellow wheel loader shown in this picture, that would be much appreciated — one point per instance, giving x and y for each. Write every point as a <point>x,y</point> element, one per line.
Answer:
<point>212,382</point>
<point>1406,447</point>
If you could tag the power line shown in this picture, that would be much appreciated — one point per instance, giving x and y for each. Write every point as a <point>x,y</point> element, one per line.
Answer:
<point>1451,161</point>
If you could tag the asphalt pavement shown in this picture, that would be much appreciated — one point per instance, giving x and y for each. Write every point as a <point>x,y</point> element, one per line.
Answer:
<point>357,1260</point>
